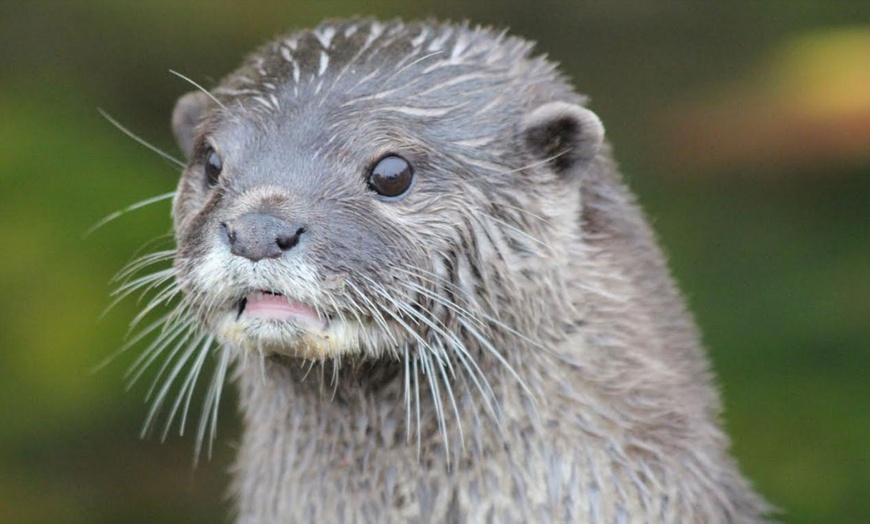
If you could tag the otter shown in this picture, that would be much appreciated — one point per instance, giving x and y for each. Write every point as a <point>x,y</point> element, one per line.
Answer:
<point>411,243</point>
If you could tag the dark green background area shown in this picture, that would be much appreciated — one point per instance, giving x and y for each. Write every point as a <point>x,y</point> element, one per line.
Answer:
<point>775,262</point>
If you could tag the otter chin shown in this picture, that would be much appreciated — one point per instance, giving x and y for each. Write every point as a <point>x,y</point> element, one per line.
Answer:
<point>431,216</point>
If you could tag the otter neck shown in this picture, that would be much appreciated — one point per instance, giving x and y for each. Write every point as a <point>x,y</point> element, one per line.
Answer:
<point>349,451</point>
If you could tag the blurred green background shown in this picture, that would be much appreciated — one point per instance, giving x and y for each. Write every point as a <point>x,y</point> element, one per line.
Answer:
<point>744,128</point>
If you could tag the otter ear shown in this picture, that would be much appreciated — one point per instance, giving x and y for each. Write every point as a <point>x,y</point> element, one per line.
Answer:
<point>187,114</point>
<point>566,136</point>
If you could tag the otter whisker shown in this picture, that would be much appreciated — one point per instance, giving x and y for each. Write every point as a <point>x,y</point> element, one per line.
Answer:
<point>463,357</point>
<point>471,316</point>
<point>481,382</point>
<point>374,312</point>
<point>334,308</point>
<point>441,301</point>
<point>514,229</point>
<point>425,358</point>
<point>212,402</point>
<point>187,331</point>
<point>466,313</point>
<point>394,316</point>
<point>123,211</point>
<point>164,296</point>
<point>525,212</point>
<point>335,376</point>
<point>366,339</point>
<point>148,145</point>
<point>538,163</point>
<point>441,359</point>
<point>206,349</point>
<point>160,398</point>
<point>154,349</point>
<point>447,386</point>
<point>262,362</point>
<point>160,279</point>
<point>407,391</point>
<point>417,404</point>
<point>206,307</point>
<point>130,343</point>
<point>512,331</point>
<point>309,364</point>
<point>125,278</point>
<point>204,90</point>
<point>420,318</point>
<point>476,374</point>
<point>185,392</point>
<point>476,422</point>
<point>458,301</point>
<point>495,353</point>
<point>142,262</point>
<point>130,286</point>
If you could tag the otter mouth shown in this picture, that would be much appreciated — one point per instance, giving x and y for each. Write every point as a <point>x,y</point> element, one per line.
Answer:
<point>274,307</point>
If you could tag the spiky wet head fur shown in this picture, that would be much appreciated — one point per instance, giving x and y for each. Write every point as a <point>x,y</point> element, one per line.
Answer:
<point>500,341</point>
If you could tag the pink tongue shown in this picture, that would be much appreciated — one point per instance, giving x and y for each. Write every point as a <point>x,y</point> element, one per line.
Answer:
<point>276,307</point>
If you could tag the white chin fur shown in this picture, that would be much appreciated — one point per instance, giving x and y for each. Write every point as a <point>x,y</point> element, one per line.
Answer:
<point>268,337</point>
<point>268,326</point>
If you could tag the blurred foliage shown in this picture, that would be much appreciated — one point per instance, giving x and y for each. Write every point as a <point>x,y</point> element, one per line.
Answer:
<point>775,258</point>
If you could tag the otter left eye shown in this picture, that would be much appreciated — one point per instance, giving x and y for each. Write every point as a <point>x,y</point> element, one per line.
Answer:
<point>391,176</point>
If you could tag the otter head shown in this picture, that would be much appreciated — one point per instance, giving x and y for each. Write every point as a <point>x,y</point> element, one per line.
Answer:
<point>379,191</point>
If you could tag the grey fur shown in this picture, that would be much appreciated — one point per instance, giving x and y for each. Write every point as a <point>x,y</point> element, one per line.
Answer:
<point>503,343</point>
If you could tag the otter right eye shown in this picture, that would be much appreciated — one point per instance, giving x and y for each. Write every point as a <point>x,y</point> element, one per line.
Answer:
<point>213,167</point>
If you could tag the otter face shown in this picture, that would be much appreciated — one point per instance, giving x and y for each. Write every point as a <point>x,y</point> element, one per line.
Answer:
<point>283,254</point>
<point>376,193</point>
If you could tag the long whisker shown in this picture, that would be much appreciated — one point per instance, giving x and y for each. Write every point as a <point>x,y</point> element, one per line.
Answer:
<point>165,295</point>
<point>186,390</point>
<point>106,361</point>
<point>446,382</point>
<point>471,316</point>
<point>157,346</point>
<point>395,317</point>
<point>374,312</point>
<point>426,361</point>
<point>149,282</point>
<point>535,164</point>
<point>460,352</point>
<point>417,397</point>
<point>194,84</point>
<point>144,361</point>
<point>211,404</point>
<point>170,330</point>
<point>525,212</point>
<point>155,280</point>
<point>514,229</point>
<point>180,362</point>
<point>495,353</point>
<point>406,360</point>
<point>142,262</point>
<point>441,301</point>
<point>141,141</point>
<point>123,211</point>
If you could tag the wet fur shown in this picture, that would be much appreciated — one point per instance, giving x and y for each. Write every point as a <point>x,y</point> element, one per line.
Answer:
<point>516,349</point>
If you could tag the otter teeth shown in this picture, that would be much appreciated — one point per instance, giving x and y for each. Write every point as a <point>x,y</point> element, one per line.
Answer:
<point>266,305</point>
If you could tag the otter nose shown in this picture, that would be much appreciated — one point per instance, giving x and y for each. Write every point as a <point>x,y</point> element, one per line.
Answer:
<point>256,236</point>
